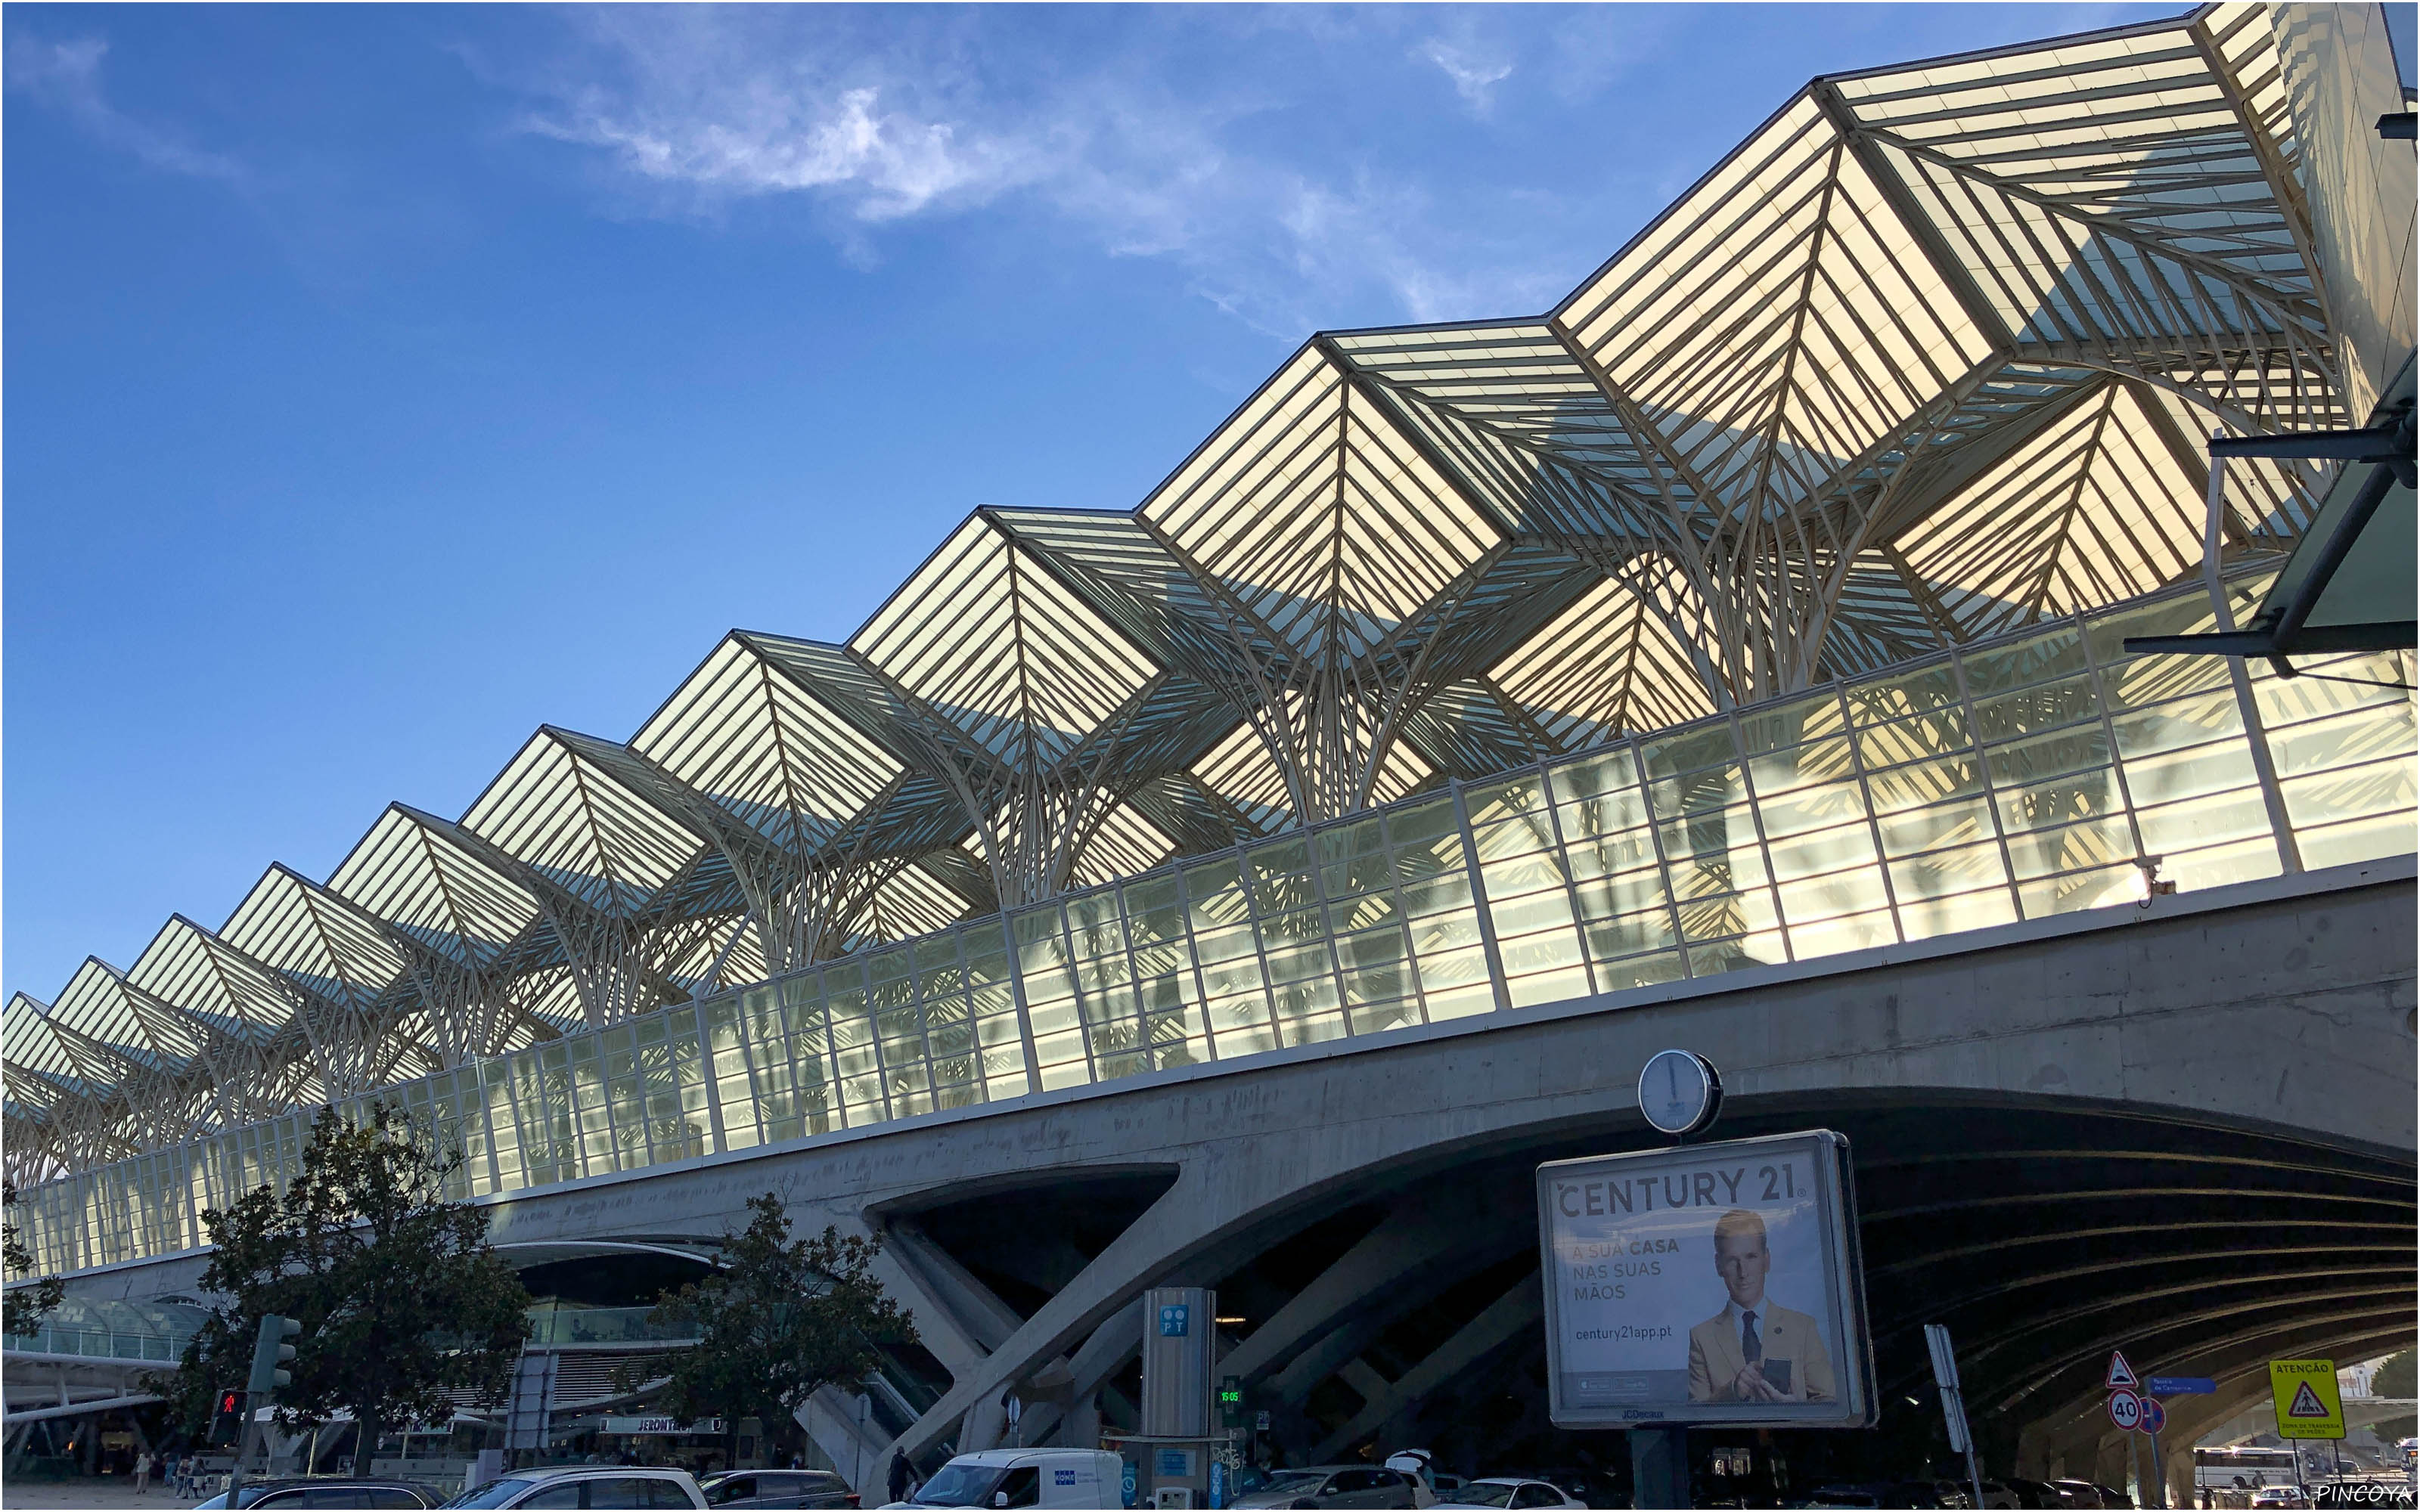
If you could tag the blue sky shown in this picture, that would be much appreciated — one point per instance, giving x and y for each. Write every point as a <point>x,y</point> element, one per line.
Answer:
<point>383,382</point>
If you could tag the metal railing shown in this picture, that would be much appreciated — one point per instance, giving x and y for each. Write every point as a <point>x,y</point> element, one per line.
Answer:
<point>552,1328</point>
<point>2018,779</point>
<point>99,1343</point>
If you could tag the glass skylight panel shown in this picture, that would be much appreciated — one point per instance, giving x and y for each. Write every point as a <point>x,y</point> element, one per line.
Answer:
<point>195,971</point>
<point>2083,513</point>
<point>98,1005</point>
<point>912,902</point>
<point>30,1041</point>
<point>581,828</point>
<point>1241,770</point>
<point>1126,575</point>
<point>407,872</point>
<point>550,999</point>
<point>728,955</point>
<point>1540,485</point>
<point>759,746</point>
<point>1318,515</point>
<point>1006,658</point>
<point>325,945</point>
<point>1880,619</point>
<point>1604,666</point>
<point>1125,844</point>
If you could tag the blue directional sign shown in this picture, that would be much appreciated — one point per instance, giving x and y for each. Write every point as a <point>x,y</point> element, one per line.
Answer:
<point>1176,1321</point>
<point>2180,1386</point>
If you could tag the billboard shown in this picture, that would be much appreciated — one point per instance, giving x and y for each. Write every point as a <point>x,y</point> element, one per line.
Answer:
<point>1715,1283</point>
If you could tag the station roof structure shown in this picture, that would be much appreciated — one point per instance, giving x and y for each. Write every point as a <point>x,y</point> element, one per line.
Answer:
<point>1930,355</point>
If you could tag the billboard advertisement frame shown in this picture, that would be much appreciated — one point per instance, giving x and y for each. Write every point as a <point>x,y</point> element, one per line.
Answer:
<point>1577,1204</point>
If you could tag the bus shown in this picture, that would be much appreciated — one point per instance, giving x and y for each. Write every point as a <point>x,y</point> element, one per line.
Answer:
<point>2241,1469</point>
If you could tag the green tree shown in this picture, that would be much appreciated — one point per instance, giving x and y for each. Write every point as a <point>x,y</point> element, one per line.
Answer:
<point>2398,1377</point>
<point>403,1302</point>
<point>25,1307</point>
<point>783,1319</point>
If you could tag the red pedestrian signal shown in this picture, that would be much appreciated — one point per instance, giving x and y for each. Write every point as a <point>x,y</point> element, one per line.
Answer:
<point>227,1420</point>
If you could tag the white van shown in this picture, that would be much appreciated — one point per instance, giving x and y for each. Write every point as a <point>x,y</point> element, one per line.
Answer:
<point>1026,1477</point>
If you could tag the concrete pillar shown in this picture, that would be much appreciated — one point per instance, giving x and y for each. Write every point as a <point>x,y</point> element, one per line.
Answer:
<point>2113,1459</point>
<point>1082,1427</point>
<point>942,1329</point>
<point>973,1308</point>
<point>1411,1237</point>
<point>1517,1310</point>
<point>985,1425</point>
<point>1111,1345</point>
<point>844,1429</point>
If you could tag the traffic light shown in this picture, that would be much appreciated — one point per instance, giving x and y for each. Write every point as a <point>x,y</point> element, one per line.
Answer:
<point>270,1351</point>
<point>226,1418</point>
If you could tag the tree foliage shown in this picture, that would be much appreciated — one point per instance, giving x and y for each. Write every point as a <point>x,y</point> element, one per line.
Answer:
<point>783,1319</point>
<point>2398,1377</point>
<point>25,1307</point>
<point>403,1302</point>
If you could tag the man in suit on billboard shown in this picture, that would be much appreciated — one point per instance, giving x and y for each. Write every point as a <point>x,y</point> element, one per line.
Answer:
<point>1753,1350</point>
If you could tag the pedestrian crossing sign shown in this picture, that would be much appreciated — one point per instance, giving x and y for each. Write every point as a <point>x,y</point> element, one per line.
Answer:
<point>2304,1392</point>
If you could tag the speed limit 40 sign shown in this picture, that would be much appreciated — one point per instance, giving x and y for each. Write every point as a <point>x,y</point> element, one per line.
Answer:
<point>2125,1409</point>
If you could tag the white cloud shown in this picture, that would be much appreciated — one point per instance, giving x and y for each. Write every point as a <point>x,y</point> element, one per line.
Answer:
<point>66,76</point>
<point>883,165</point>
<point>928,118</point>
<point>1474,79</point>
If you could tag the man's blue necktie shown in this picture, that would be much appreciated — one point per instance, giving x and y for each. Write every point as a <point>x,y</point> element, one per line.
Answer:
<point>1751,1347</point>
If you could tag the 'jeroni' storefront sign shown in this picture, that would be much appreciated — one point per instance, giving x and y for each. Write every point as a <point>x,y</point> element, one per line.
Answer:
<point>660,1427</point>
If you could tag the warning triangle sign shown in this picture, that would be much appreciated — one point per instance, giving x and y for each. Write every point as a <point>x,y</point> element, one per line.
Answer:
<point>2120,1373</point>
<point>2306,1403</point>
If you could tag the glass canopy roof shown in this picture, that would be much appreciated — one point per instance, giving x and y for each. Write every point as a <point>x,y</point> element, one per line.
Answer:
<point>1929,358</point>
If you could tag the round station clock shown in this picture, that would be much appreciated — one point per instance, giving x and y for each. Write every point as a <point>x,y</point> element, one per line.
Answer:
<point>1680,1092</point>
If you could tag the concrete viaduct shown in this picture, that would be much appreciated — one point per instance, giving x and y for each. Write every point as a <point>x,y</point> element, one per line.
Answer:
<point>2184,1128</point>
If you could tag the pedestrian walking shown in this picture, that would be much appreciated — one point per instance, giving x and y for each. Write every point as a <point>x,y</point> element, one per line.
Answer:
<point>899,1476</point>
<point>143,1472</point>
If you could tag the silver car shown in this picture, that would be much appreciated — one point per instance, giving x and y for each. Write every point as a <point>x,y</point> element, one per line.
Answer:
<point>1326,1486</point>
<point>1508,1492</point>
<point>562,1488</point>
<point>754,1489</point>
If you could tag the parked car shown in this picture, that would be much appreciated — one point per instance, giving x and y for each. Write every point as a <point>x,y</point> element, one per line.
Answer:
<point>1510,1492</point>
<point>301,1494</point>
<point>564,1486</point>
<point>1590,1488</point>
<point>1338,1485</point>
<point>2279,1496</point>
<point>1026,1477</point>
<point>2028,1493</point>
<point>2091,1494</point>
<point>1914,1493</point>
<point>776,1488</point>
